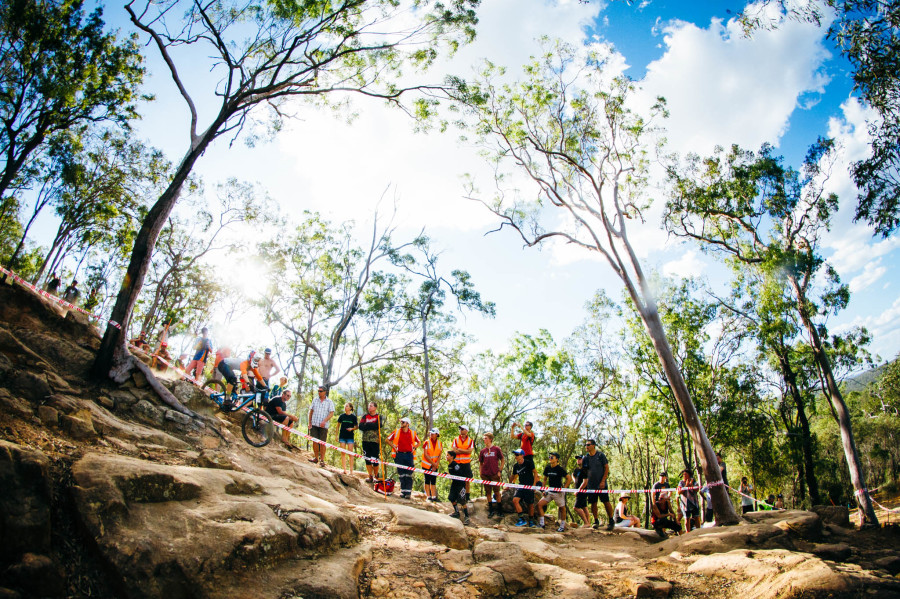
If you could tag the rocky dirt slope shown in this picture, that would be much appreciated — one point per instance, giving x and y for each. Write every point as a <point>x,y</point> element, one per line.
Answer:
<point>105,492</point>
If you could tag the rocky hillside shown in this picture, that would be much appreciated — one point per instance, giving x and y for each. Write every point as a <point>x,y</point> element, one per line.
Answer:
<point>105,492</point>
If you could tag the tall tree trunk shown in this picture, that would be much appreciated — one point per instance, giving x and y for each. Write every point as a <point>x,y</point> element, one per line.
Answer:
<point>430,419</point>
<point>113,351</point>
<point>790,379</point>
<point>831,389</point>
<point>721,502</point>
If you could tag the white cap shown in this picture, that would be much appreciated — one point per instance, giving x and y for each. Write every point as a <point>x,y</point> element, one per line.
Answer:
<point>405,419</point>
<point>434,431</point>
<point>463,427</point>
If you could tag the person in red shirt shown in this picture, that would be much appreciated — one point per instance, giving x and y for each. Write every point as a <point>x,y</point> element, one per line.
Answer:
<point>490,460</point>
<point>527,439</point>
<point>404,441</point>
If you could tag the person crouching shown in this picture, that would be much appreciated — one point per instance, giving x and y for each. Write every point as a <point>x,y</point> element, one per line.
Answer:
<point>457,488</point>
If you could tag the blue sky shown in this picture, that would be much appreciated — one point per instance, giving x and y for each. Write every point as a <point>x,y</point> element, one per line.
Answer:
<point>785,87</point>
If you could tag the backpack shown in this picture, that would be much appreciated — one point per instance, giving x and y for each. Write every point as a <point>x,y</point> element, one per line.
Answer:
<point>385,486</point>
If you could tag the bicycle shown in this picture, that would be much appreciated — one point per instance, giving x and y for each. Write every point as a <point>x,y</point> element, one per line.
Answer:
<point>257,426</point>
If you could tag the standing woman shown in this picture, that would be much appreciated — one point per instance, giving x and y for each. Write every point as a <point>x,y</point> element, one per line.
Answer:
<point>370,425</point>
<point>348,424</point>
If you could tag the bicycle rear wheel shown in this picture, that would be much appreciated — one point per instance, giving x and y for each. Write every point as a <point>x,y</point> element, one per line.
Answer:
<point>257,428</point>
<point>215,386</point>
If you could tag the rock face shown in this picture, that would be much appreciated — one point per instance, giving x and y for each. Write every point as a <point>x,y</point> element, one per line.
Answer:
<point>24,502</point>
<point>780,574</point>
<point>420,524</point>
<point>173,531</point>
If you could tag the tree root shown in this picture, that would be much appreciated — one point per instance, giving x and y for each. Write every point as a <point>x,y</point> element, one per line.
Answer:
<point>124,364</point>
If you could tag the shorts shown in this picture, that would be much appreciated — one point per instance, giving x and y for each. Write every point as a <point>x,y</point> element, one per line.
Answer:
<point>227,372</point>
<point>370,450</point>
<point>691,511</point>
<point>663,523</point>
<point>200,356</point>
<point>626,523</point>
<point>592,498</point>
<point>430,479</point>
<point>526,496</point>
<point>457,492</point>
<point>318,432</point>
<point>278,417</point>
<point>580,500</point>
<point>465,470</point>
<point>746,508</point>
<point>349,441</point>
<point>557,496</point>
<point>490,489</point>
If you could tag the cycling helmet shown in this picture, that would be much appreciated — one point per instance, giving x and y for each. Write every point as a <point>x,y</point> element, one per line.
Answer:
<point>254,358</point>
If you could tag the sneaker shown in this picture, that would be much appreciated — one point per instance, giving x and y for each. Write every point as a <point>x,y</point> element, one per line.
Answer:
<point>596,525</point>
<point>404,495</point>
<point>436,499</point>
<point>541,522</point>
<point>531,524</point>
<point>610,526</point>
<point>454,515</point>
<point>521,522</point>
<point>490,510</point>
<point>466,521</point>
<point>562,527</point>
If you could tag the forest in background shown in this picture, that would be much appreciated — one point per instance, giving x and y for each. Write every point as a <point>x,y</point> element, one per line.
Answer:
<point>375,316</point>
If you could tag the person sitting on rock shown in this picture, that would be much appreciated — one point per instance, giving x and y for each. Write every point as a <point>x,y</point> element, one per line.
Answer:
<point>621,516</point>
<point>525,473</point>
<point>457,488</point>
<point>662,516</point>
<point>277,409</point>
<point>557,478</point>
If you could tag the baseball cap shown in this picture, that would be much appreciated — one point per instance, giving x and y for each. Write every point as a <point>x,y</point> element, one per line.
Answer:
<point>625,495</point>
<point>519,452</point>
<point>268,350</point>
<point>579,457</point>
<point>664,473</point>
<point>434,431</point>
<point>463,427</point>
<point>553,453</point>
<point>405,419</point>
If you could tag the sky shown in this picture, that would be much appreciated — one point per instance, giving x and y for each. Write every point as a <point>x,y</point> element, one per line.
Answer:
<point>785,87</point>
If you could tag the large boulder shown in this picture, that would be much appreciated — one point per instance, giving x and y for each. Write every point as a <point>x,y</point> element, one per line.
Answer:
<point>180,531</point>
<point>837,515</point>
<point>780,574</point>
<point>428,526</point>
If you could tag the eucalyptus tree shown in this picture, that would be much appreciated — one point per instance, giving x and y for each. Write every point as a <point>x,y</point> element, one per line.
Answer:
<point>427,302</point>
<point>268,58</point>
<point>763,215</point>
<point>327,285</point>
<point>567,129</point>
<point>181,281</point>
<point>59,70</point>
<point>867,33</point>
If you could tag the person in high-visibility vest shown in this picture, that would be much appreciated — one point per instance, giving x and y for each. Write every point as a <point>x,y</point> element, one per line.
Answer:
<point>432,449</point>
<point>404,442</point>
<point>464,446</point>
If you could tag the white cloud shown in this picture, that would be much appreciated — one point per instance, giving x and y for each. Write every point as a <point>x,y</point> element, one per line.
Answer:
<point>722,87</point>
<point>687,266</point>
<point>883,327</point>
<point>872,272</point>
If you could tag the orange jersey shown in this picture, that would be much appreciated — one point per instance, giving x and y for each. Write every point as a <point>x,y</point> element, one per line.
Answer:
<point>431,453</point>
<point>459,443</point>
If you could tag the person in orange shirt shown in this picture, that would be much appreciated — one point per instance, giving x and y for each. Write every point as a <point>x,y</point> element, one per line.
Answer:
<point>404,441</point>
<point>464,446</point>
<point>432,450</point>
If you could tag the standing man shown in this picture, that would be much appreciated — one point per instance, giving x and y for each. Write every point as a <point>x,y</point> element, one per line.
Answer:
<point>490,461</point>
<point>526,475</point>
<point>202,348</point>
<point>404,441</point>
<point>53,284</point>
<point>370,426</point>
<point>598,472</point>
<point>72,292</point>
<point>320,412</point>
<point>557,478</point>
<point>723,467</point>
<point>690,505</point>
<point>267,366</point>
<point>432,450</point>
<point>581,473</point>
<point>746,489</point>
<point>464,446</point>
<point>527,439</point>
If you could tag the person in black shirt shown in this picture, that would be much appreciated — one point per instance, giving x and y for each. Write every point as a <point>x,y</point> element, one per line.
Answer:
<point>276,408</point>
<point>580,474</point>
<point>348,424</point>
<point>557,478</point>
<point>457,488</point>
<point>598,472</point>
<point>525,473</point>
<point>662,483</point>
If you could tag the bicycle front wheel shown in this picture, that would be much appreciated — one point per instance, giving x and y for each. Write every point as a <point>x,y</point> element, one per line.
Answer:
<point>214,386</point>
<point>257,428</point>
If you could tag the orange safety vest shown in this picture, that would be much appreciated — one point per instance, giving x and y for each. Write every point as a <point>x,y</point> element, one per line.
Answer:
<point>431,452</point>
<point>396,435</point>
<point>458,443</point>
